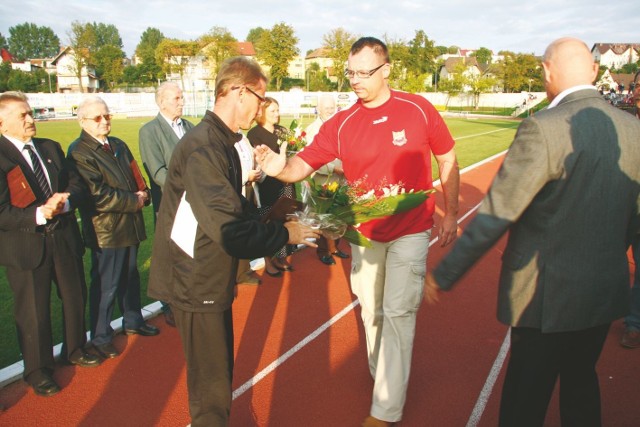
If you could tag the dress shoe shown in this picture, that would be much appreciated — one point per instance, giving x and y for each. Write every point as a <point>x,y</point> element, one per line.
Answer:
<point>146,330</point>
<point>83,359</point>
<point>108,351</point>
<point>168,317</point>
<point>284,267</point>
<point>341,254</point>
<point>630,338</point>
<point>277,273</point>
<point>249,280</point>
<point>327,259</point>
<point>374,422</point>
<point>45,386</point>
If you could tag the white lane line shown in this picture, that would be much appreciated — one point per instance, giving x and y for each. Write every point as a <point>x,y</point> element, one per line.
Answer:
<point>280,360</point>
<point>485,133</point>
<point>485,394</point>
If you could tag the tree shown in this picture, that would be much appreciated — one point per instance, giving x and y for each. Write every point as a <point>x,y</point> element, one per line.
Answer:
<point>217,45</point>
<point>27,82</point>
<point>317,80</point>
<point>5,70</point>
<point>519,72</point>
<point>106,34</point>
<point>109,65</point>
<point>422,54</point>
<point>483,55</point>
<point>399,54</point>
<point>277,48</point>
<point>149,68</point>
<point>3,41</point>
<point>254,36</point>
<point>28,41</point>
<point>174,55</point>
<point>82,39</point>
<point>338,43</point>
<point>479,84</point>
<point>453,85</point>
<point>454,50</point>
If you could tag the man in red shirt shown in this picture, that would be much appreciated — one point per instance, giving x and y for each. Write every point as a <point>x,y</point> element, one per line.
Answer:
<point>385,138</point>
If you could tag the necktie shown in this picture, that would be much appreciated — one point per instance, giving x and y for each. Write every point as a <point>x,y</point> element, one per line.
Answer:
<point>37,169</point>
<point>106,147</point>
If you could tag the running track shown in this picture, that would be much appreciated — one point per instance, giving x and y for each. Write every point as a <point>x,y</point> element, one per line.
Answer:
<point>300,358</point>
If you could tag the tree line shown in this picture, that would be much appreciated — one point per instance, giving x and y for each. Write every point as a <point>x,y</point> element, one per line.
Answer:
<point>99,45</point>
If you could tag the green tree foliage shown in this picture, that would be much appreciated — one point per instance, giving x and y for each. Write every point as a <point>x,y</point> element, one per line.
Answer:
<point>454,85</point>
<point>483,55</point>
<point>317,80</point>
<point>106,34</point>
<point>149,69</point>
<point>277,47</point>
<point>422,54</point>
<point>5,70</point>
<point>338,43</point>
<point>519,71</point>
<point>453,50</point>
<point>3,41</point>
<point>28,41</point>
<point>109,65</point>
<point>28,82</point>
<point>174,55</point>
<point>254,36</point>
<point>399,53</point>
<point>217,45</point>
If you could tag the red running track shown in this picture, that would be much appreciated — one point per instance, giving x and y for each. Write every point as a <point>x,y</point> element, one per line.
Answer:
<point>300,358</point>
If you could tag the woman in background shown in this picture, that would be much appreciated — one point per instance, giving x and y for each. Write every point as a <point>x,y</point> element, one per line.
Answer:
<point>270,133</point>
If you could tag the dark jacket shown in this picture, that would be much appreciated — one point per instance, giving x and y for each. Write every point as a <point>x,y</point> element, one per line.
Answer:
<point>110,218</point>
<point>21,239</point>
<point>270,189</point>
<point>205,166</point>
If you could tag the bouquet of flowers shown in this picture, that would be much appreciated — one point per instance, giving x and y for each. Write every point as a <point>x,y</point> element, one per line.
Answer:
<point>295,137</point>
<point>353,204</point>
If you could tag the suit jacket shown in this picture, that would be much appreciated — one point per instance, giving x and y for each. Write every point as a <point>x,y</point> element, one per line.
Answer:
<point>568,193</point>
<point>110,216</point>
<point>21,240</point>
<point>157,140</point>
<point>205,166</point>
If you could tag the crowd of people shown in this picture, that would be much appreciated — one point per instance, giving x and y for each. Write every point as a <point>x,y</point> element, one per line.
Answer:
<point>559,288</point>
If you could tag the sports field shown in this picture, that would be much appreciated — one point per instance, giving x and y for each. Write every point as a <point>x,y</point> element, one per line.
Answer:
<point>476,139</point>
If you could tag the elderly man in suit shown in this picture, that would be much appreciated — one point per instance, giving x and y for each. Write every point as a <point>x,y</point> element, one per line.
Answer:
<point>40,242</point>
<point>197,275</point>
<point>157,139</point>
<point>112,224</point>
<point>568,193</point>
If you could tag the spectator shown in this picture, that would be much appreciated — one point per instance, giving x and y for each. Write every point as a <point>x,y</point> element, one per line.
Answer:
<point>40,242</point>
<point>157,139</point>
<point>572,169</point>
<point>270,133</point>
<point>112,224</point>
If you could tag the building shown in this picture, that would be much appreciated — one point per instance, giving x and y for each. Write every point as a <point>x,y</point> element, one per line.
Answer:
<point>65,64</point>
<point>615,55</point>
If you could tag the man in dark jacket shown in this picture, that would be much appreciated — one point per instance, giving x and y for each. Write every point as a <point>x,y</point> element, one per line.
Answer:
<point>112,224</point>
<point>204,226</point>
<point>40,243</point>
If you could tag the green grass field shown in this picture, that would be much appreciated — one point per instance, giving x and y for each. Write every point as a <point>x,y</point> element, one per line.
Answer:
<point>476,139</point>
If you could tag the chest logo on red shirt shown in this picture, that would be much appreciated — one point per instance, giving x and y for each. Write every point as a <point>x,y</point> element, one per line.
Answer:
<point>399,138</point>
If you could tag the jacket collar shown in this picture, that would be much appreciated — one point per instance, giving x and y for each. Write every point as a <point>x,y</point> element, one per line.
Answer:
<point>231,136</point>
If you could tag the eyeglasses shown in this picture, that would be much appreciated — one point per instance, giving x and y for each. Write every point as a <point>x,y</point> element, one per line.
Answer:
<point>261,98</point>
<point>362,74</point>
<point>99,118</point>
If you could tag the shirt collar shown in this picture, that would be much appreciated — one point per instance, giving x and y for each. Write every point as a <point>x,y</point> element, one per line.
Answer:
<point>18,143</point>
<point>177,121</point>
<point>566,92</point>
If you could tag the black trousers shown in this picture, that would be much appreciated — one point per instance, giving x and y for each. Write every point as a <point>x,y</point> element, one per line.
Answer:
<point>207,340</point>
<point>32,306</point>
<point>537,361</point>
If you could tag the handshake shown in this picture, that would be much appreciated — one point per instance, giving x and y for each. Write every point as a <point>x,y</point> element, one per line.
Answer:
<point>55,205</point>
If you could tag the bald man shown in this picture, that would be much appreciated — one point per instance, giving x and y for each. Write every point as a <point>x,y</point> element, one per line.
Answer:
<point>568,193</point>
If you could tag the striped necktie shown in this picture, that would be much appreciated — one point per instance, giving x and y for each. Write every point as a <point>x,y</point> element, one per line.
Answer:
<point>37,169</point>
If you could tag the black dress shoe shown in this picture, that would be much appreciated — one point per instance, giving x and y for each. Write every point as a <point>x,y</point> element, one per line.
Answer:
<point>340,254</point>
<point>45,386</point>
<point>327,259</point>
<point>108,351</point>
<point>146,330</point>
<point>277,273</point>
<point>83,359</point>
<point>168,317</point>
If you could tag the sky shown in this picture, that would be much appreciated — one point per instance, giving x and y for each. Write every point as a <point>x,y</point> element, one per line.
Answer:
<point>525,27</point>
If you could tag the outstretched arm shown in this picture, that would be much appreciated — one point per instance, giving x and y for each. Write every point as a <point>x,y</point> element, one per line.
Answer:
<point>285,169</point>
<point>450,179</point>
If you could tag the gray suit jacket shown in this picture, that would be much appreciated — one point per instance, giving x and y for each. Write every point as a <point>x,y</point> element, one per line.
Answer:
<point>568,193</point>
<point>157,141</point>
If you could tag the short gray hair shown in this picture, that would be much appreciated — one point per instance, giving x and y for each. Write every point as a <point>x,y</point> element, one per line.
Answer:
<point>86,102</point>
<point>164,86</point>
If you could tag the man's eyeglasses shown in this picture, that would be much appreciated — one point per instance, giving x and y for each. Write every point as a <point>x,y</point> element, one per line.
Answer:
<point>99,118</point>
<point>261,98</point>
<point>362,74</point>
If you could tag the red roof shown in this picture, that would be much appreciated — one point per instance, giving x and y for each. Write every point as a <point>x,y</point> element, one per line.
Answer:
<point>6,56</point>
<point>246,49</point>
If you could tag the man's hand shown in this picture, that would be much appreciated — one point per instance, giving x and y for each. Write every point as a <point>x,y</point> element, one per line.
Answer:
<point>54,205</point>
<point>431,289</point>
<point>271,163</point>
<point>299,233</point>
<point>448,230</point>
<point>142,198</point>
